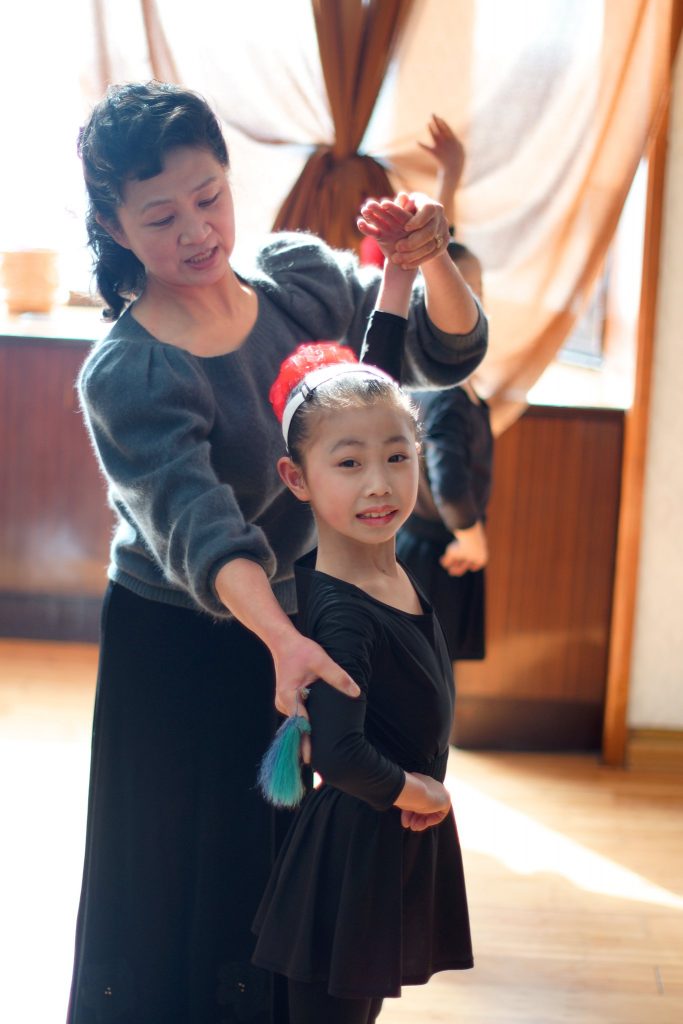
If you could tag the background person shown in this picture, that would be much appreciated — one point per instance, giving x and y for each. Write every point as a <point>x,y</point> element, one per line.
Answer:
<point>444,542</point>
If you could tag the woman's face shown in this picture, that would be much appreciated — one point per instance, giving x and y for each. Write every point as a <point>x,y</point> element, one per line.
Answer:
<point>180,224</point>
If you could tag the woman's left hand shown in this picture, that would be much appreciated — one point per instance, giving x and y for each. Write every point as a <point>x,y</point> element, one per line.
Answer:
<point>427,233</point>
<point>299,662</point>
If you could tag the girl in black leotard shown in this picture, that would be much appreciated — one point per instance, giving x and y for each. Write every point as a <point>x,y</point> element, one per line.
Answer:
<point>368,891</point>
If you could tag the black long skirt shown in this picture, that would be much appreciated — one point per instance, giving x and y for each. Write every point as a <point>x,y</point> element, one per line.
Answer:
<point>179,842</point>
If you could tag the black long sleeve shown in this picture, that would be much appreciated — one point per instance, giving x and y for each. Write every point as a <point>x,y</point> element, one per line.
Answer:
<point>384,342</point>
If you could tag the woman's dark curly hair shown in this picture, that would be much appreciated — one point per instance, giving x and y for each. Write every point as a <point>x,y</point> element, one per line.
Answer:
<point>125,139</point>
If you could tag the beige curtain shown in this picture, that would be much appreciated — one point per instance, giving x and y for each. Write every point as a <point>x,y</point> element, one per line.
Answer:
<point>356,39</point>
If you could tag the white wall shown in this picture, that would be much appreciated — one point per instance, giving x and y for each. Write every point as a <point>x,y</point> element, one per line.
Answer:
<point>656,695</point>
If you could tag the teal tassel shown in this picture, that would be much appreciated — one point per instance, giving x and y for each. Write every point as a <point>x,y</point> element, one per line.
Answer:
<point>279,776</point>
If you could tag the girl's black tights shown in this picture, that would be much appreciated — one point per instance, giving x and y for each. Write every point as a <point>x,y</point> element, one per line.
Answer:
<point>311,1004</point>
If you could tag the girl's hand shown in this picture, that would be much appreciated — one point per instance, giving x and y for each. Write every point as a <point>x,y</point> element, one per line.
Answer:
<point>417,822</point>
<point>467,553</point>
<point>438,798</point>
<point>384,220</point>
<point>423,802</point>
<point>447,150</point>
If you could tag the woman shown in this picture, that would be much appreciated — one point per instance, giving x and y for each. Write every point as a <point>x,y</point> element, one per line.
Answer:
<point>196,625</point>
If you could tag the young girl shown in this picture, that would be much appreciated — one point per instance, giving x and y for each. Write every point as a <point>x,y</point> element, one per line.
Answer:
<point>368,891</point>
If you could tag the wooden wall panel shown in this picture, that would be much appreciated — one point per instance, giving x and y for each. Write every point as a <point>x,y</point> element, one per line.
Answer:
<point>54,522</point>
<point>552,534</point>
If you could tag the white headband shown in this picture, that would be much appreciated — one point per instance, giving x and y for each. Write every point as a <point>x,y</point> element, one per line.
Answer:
<point>322,375</point>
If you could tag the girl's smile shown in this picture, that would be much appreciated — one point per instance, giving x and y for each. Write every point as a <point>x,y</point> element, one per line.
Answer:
<point>377,516</point>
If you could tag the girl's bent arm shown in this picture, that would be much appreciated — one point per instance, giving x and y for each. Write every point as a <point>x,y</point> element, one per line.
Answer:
<point>342,753</point>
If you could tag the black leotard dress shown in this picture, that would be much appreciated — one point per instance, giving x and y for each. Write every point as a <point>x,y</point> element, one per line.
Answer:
<point>355,900</point>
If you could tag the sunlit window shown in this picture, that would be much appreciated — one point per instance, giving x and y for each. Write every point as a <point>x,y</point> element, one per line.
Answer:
<point>46,77</point>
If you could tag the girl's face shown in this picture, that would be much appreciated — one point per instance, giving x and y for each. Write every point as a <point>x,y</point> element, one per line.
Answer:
<point>180,224</point>
<point>360,472</point>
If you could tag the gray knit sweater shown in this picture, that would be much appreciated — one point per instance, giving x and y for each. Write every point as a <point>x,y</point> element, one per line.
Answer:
<point>189,444</point>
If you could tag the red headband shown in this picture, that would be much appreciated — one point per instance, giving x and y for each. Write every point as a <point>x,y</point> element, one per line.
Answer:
<point>310,356</point>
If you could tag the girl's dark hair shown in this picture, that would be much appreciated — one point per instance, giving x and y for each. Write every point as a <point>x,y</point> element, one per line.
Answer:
<point>127,138</point>
<point>352,390</point>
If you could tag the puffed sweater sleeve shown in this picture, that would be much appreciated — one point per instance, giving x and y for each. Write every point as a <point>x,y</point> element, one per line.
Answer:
<point>331,298</point>
<point>448,460</point>
<point>149,410</point>
<point>340,751</point>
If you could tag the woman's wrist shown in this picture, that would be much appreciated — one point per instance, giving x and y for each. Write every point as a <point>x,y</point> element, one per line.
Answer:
<point>450,305</point>
<point>243,587</point>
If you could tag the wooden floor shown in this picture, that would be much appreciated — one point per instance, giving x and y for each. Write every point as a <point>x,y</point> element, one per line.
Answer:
<point>575,871</point>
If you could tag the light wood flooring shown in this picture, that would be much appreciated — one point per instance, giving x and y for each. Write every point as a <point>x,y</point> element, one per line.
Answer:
<point>575,871</point>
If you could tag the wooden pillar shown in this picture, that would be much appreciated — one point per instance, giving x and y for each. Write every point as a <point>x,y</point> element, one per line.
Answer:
<point>615,732</point>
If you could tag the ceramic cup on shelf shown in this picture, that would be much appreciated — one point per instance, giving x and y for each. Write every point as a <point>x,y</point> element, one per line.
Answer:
<point>29,279</point>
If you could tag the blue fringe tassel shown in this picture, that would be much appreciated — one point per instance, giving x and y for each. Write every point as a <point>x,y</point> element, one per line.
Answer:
<point>279,776</point>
